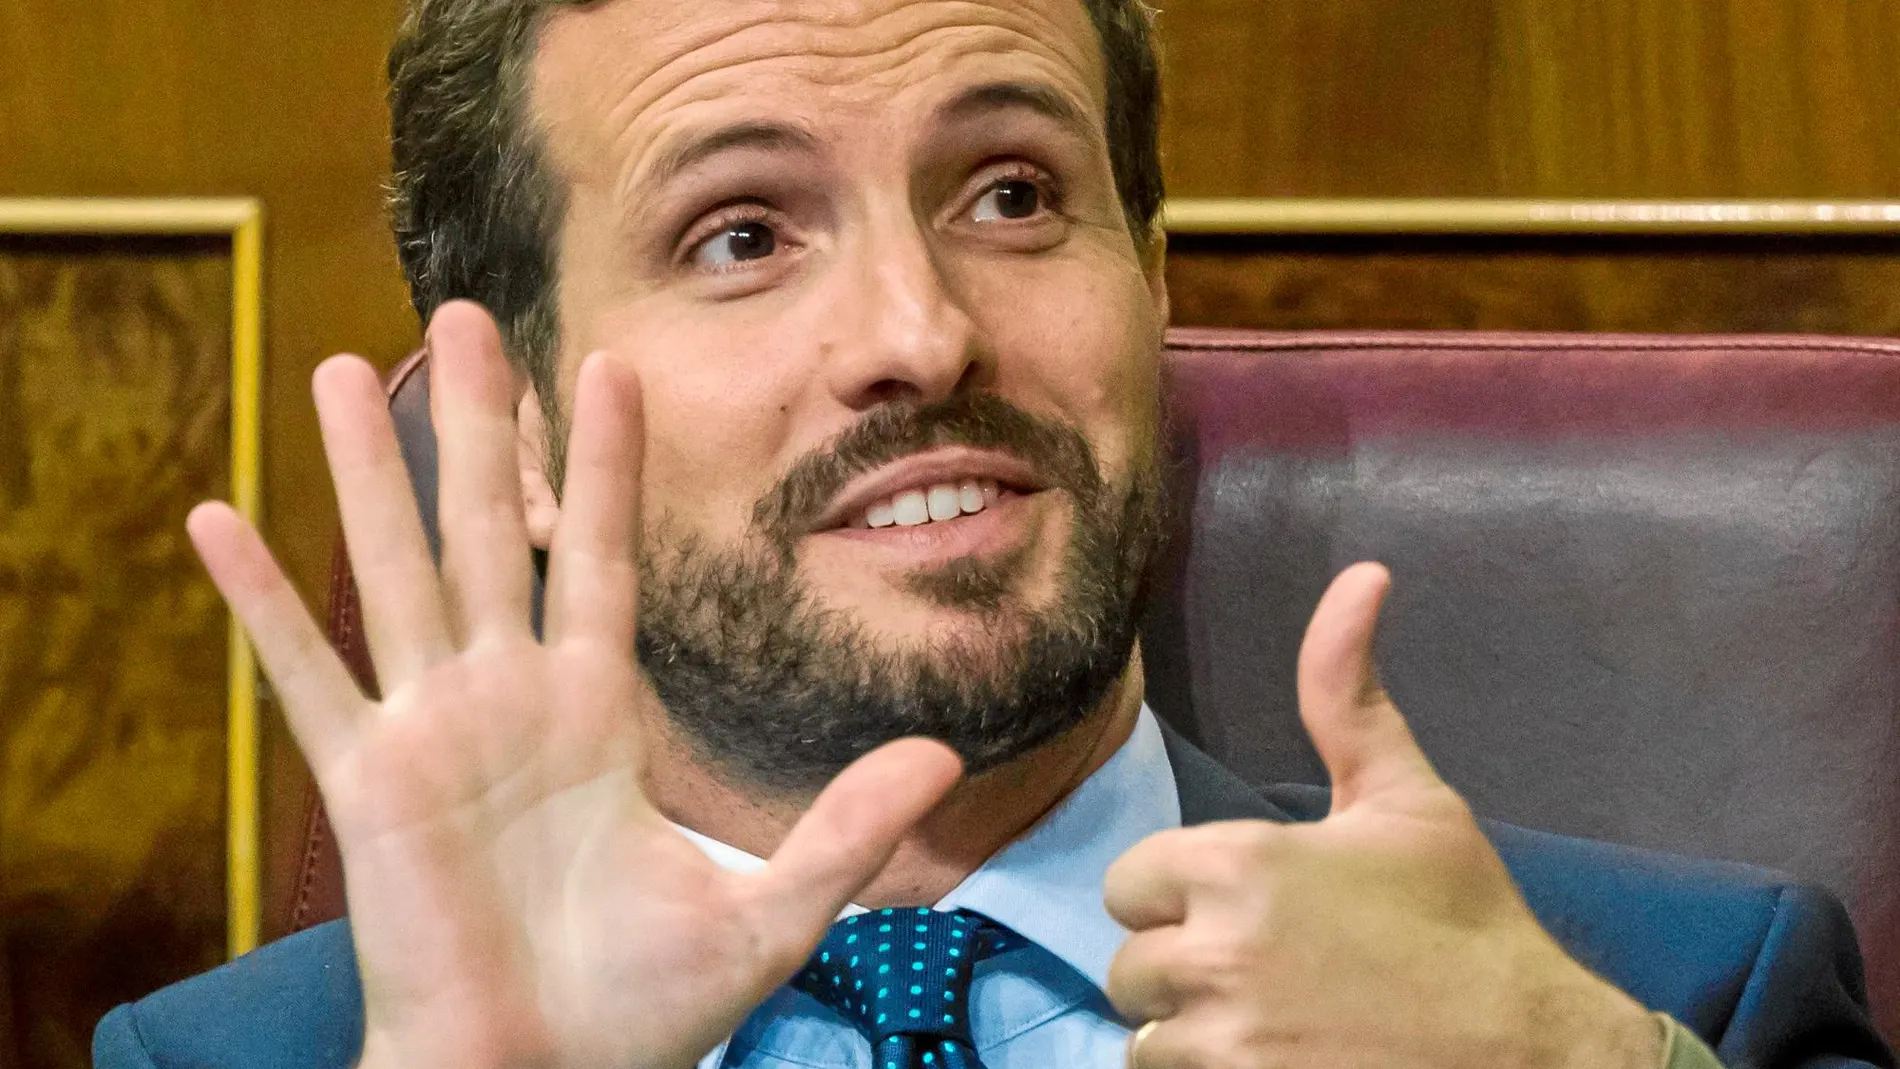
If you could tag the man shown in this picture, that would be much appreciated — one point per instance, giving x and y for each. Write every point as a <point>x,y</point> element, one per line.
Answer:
<point>835,329</point>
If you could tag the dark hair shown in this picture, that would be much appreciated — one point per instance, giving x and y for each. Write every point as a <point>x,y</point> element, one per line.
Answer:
<point>476,216</point>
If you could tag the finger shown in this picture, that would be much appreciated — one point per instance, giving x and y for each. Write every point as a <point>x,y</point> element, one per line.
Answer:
<point>1152,975</point>
<point>1359,733</point>
<point>486,567</point>
<point>1145,887</point>
<point>593,586</point>
<point>845,839</point>
<point>401,597</point>
<point>1169,1044</point>
<point>320,699</point>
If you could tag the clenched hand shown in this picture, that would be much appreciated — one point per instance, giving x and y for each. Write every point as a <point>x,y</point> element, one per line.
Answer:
<point>1388,934</point>
<point>515,899</point>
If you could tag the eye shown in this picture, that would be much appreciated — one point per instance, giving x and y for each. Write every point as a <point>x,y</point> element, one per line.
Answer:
<point>1012,198</point>
<point>737,243</point>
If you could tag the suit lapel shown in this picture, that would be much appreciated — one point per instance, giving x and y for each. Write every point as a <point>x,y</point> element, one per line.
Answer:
<point>1209,792</point>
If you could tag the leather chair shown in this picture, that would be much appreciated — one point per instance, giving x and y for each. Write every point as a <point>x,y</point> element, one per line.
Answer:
<point>1647,588</point>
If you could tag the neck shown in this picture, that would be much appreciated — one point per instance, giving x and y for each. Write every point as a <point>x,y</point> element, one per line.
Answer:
<point>980,816</point>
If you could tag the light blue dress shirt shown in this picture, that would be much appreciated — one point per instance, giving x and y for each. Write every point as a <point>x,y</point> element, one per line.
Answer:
<point>1029,1009</point>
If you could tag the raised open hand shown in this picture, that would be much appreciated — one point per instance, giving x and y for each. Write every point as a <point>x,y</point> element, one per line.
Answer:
<point>515,900</point>
<point>1389,933</point>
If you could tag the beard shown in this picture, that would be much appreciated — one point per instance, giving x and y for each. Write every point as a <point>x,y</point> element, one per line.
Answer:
<point>780,691</point>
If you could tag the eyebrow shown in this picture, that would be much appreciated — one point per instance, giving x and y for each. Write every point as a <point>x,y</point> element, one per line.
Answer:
<point>755,136</point>
<point>1047,101</point>
<point>973,103</point>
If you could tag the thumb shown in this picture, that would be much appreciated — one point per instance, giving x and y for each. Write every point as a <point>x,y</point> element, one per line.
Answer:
<point>846,838</point>
<point>1360,735</point>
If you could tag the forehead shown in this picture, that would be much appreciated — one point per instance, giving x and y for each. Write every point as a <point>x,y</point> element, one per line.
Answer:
<point>614,77</point>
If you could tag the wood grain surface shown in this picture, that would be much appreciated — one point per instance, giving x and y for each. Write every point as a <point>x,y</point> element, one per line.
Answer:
<point>1713,99</point>
<point>1669,285</point>
<point>114,421</point>
<point>1533,98</point>
<point>281,100</point>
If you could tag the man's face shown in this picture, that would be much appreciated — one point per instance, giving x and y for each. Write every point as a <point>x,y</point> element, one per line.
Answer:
<point>868,261</point>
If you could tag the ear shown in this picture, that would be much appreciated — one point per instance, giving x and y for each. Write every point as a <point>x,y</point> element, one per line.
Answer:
<point>537,492</point>
<point>1154,267</point>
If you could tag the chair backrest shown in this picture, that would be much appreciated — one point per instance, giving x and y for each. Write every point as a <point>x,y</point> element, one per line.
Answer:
<point>1647,588</point>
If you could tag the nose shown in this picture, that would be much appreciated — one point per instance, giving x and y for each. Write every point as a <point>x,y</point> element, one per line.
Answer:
<point>902,332</point>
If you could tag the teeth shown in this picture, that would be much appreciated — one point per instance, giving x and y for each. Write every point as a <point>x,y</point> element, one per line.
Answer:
<point>970,496</point>
<point>945,504</point>
<point>942,501</point>
<point>910,508</point>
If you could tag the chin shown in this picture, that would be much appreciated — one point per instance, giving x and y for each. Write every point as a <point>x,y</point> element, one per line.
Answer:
<point>969,594</point>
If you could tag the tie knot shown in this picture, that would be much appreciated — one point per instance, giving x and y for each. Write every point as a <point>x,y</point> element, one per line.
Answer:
<point>903,971</point>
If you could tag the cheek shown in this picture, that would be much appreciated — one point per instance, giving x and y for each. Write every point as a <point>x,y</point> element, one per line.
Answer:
<point>711,383</point>
<point>1083,342</point>
<point>717,414</point>
<point>705,457</point>
<point>727,390</point>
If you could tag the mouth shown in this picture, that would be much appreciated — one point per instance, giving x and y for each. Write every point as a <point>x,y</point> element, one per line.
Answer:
<point>935,487</point>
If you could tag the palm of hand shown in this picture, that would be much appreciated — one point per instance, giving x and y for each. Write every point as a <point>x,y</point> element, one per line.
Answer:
<point>515,899</point>
<point>513,856</point>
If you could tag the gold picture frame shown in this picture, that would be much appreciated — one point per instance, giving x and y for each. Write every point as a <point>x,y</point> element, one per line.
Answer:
<point>240,221</point>
<point>1266,216</point>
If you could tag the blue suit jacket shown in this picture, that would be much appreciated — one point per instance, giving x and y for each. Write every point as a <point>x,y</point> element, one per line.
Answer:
<point>1765,970</point>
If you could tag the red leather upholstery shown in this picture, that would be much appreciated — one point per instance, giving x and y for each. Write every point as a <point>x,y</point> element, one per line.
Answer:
<point>1648,588</point>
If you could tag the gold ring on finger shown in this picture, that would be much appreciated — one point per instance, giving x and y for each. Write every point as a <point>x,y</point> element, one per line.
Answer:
<point>1135,1041</point>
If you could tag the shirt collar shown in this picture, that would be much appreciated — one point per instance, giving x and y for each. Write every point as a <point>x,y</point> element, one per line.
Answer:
<point>1047,884</point>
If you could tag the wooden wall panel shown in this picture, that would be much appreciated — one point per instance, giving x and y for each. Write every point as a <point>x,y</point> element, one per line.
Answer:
<point>1535,98</point>
<point>114,420</point>
<point>1650,99</point>
<point>281,100</point>
<point>1670,285</point>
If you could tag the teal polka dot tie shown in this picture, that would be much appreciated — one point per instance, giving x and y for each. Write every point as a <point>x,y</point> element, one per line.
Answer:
<point>902,976</point>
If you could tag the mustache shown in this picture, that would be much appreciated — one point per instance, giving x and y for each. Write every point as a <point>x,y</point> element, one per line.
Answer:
<point>899,429</point>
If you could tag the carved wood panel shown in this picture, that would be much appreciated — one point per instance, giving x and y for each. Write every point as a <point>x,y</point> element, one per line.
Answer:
<point>114,420</point>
